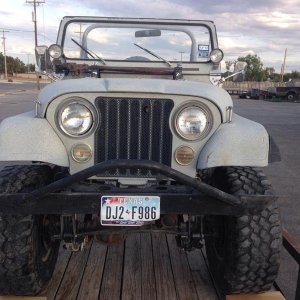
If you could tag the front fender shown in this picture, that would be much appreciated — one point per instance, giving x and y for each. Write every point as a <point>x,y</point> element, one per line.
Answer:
<point>26,138</point>
<point>239,143</point>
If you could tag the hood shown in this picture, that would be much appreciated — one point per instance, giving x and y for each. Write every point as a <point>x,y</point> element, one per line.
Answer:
<point>124,85</point>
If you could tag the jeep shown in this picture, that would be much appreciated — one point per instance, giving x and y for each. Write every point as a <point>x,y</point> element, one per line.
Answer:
<point>135,133</point>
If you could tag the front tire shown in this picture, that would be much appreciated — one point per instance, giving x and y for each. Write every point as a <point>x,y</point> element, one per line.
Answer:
<point>27,255</point>
<point>244,252</point>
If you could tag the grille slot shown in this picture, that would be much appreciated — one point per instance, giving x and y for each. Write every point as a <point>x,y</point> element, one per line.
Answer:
<point>133,128</point>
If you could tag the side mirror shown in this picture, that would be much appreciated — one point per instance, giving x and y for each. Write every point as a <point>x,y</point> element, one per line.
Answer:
<point>239,66</point>
<point>43,61</point>
<point>239,71</point>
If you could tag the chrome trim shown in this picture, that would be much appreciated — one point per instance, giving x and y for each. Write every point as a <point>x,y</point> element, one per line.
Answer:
<point>230,112</point>
<point>84,102</point>
<point>38,104</point>
<point>205,110</point>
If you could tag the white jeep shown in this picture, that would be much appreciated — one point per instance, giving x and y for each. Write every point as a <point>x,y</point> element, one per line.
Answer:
<point>134,133</point>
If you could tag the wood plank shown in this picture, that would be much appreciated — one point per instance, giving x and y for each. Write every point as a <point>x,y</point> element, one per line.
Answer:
<point>91,280</point>
<point>58,274</point>
<point>259,296</point>
<point>148,278</point>
<point>132,284</point>
<point>184,282</point>
<point>165,287</point>
<point>113,272</point>
<point>201,277</point>
<point>72,279</point>
<point>22,298</point>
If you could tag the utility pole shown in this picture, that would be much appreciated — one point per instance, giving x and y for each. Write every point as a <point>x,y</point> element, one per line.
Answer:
<point>80,32</point>
<point>35,3</point>
<point>28,65</point>
<point>34,20</point>
<point>4,53</point>
<point>283,66</point>
<point>181,52</point>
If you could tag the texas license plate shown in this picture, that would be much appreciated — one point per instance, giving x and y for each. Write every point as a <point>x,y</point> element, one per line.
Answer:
<point>129,210</point>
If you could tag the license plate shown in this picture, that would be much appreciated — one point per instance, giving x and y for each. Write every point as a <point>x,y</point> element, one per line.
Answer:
<point>129,210</point>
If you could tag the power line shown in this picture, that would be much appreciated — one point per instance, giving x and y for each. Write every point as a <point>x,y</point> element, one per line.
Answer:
<point>28,31</point>
<point>17,30</point>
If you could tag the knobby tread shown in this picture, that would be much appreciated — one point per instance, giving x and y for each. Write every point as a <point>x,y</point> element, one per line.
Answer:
<point>19,274</point>
<point>252,242</point>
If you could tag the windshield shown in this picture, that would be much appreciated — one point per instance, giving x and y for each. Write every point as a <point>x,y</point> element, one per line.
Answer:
<point>116,41</point>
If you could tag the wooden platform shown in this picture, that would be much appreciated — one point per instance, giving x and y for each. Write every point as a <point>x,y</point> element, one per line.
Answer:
<point>145,266</point>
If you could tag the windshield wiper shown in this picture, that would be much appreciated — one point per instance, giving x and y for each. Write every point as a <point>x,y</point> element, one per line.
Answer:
<point>89,52</point>
<point>155,55</point>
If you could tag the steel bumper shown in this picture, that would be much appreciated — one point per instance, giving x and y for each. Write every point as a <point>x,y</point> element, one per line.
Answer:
<point>187,196</point>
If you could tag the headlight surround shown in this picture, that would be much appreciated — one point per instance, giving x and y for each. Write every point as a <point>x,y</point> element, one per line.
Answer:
<point>216,55</point>
<point>193,121</point>
<point>55,51</point>
<point>76,117</point>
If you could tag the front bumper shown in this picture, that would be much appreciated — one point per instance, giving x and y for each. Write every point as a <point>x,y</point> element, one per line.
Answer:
<point>187,196</point>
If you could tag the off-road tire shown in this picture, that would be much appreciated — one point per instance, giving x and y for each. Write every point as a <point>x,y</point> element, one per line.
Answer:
<point>27,257</point>
<point>244,252</point>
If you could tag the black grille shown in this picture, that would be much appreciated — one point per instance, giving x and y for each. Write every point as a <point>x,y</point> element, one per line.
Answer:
<point>133,129</point>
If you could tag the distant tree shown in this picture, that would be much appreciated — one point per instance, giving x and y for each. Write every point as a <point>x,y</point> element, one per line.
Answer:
<point>254,70</point>
<point>269,73</point>
<point>1,63</point>
<point>14,65</point>
<point>293,75</point>
<point>31,67</point>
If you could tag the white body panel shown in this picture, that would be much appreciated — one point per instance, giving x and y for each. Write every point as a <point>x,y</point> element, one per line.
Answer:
<point>134,86</point>
<point>240,143</point>
<point>26,138</point>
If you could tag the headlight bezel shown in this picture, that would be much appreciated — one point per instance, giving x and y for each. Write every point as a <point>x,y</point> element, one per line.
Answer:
<point>216,51</point>
<point>80,101</point>
<point>208,114</point>
<point>58,47</point>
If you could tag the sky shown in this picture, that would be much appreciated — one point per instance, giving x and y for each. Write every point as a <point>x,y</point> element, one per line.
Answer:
<point>265,28</point>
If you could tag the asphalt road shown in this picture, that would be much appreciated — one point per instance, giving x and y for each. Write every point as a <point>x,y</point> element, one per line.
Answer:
<point>6,87</point>
<point>282,120</point>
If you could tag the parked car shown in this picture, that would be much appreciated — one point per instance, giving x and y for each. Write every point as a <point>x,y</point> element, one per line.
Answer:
<point>290,92</point>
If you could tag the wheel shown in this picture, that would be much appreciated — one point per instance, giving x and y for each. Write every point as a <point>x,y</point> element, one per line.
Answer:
<point>243,252</point>
<point>291,96</point>
<point>27,255</point>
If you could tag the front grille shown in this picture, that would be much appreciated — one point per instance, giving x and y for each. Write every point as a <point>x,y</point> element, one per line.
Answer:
<point>133,129</point>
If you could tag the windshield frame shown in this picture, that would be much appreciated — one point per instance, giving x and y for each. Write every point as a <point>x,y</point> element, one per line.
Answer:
<point>168,24</point>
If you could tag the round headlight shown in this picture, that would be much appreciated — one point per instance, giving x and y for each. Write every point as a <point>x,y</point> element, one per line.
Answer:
<point>75,119</point>
<point>55,51</point>
<point>193,122</point>
<point>216,55</point>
